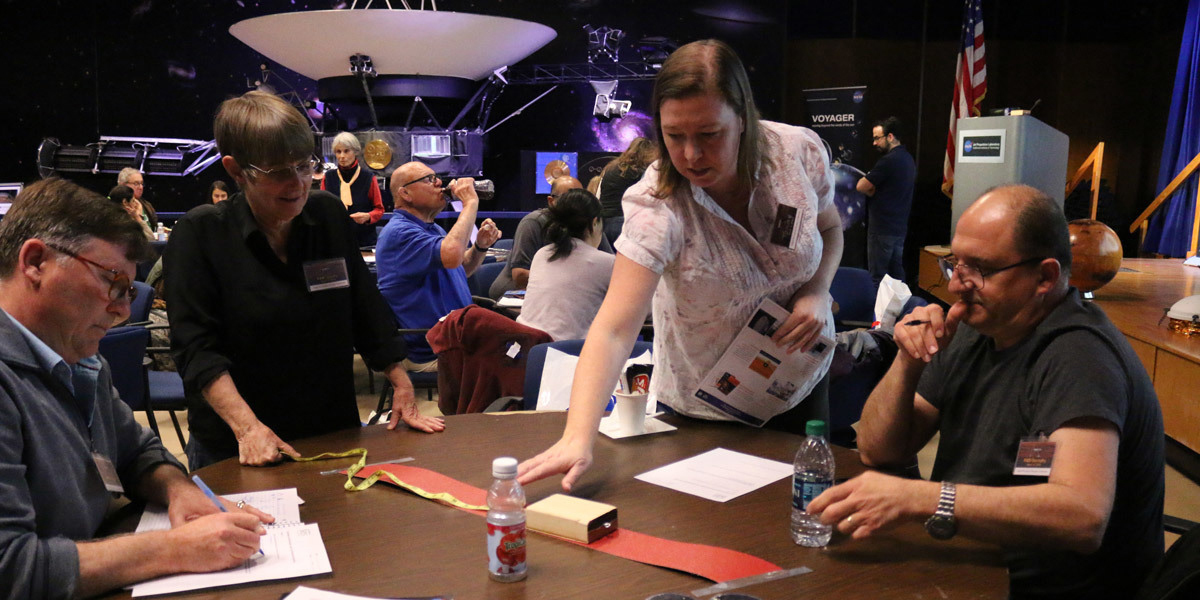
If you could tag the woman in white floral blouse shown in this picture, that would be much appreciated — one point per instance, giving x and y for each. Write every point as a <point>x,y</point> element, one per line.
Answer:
<point>702,239</point>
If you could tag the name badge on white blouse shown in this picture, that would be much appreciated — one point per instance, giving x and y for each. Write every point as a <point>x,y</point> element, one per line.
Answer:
<point>785,229</point>
<point>328,274</point>
<point>108,473</point>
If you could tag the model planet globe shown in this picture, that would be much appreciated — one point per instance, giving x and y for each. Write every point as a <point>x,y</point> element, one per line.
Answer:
<point>1095,254</point>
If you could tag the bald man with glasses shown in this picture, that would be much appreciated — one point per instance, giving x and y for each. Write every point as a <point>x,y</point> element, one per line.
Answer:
<point>67,442</point>
<point>1051,438</point>
<point>423,268</point>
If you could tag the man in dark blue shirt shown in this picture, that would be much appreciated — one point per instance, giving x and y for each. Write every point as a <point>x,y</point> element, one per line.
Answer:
<point>890,187</point>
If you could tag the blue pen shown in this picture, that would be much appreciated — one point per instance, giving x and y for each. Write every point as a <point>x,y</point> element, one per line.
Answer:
<point>211,496</point>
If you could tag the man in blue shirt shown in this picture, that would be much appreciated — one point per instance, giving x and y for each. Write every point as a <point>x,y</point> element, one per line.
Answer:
<point>423,268</point>
<point>890,187</point>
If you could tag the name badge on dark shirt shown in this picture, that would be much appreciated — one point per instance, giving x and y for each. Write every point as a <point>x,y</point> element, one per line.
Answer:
<point>108,473</point>
<point>328,274</point>
<point>1035,456</point>
<point>783,231</point>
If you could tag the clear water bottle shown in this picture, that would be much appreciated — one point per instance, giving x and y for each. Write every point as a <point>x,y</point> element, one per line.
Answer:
<point>506,522</point>
<point>813,474</point>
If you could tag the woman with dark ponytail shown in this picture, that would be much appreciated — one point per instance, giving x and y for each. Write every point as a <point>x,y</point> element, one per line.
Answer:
<point>569,276</point>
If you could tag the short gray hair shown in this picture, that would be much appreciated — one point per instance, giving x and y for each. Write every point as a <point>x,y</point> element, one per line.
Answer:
<point>346,139</point>
<point>125,174</point>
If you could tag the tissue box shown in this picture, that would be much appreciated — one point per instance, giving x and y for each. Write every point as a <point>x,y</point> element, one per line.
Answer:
<point>572,518</point>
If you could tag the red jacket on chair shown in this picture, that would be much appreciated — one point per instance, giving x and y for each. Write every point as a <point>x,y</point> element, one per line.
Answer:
<point>477,361</point>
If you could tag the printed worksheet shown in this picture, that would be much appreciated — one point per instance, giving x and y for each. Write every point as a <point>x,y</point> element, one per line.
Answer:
<point>754,379</point>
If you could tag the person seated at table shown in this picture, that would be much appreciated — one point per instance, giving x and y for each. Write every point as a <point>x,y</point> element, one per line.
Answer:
<point>1019,364</point>
<point>67,442</point>
<point>531,237</point>
<point>356,186</point>
<point>422,268</point>
<point>122,195</point>
<point>132,177</point>
<point>218,192</point>
<point>619,175</point>
<point>270,298</point>
<point>698,240</point>
<point>569,276</point>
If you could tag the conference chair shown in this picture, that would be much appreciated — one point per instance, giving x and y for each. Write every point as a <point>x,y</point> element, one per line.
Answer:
<point>125,350</point>
<point>139,309</point>
<point>854,293</point>
<point>481,280</point>
<point>504,244</point>
<point>535,367</point>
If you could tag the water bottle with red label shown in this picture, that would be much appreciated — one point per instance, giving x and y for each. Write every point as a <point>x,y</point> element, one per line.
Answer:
<point>506,523</point>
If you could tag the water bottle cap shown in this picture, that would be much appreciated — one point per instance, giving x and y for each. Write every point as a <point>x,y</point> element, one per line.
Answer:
<point>816,427</point>
<point>504,467</point>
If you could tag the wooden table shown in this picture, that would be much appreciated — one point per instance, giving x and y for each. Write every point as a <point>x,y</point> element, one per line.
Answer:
<point>385,542</point>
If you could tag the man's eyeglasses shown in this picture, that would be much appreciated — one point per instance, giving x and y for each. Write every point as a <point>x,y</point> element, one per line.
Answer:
<point>120,286</point>
<point>430,178</point>
<point>976,275</point>
<point>300,170</point>
<point>876,138</point>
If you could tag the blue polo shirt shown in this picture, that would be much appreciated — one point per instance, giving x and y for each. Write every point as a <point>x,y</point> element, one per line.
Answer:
<point>408,258</point>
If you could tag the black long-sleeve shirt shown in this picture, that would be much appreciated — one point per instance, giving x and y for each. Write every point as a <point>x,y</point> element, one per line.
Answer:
<point>235,307</point>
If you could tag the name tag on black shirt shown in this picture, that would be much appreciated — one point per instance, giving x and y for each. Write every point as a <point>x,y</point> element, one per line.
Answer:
<point>329,274</point>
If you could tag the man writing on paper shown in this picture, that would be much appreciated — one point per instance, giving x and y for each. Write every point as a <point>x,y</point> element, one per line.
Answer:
<point>1051,436</point>
<point>67,257</point>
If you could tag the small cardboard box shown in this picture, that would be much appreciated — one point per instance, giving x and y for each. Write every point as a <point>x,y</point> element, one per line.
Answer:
<point>572,518</point>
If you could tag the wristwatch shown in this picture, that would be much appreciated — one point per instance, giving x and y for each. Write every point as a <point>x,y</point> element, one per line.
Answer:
<point>942,525</point>
<point>477,248</point>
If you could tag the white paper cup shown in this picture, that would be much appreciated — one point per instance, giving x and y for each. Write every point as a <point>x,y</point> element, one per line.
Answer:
<point>631,412</point>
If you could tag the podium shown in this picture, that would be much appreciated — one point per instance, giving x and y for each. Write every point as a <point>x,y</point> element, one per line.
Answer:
<point>993,151</point>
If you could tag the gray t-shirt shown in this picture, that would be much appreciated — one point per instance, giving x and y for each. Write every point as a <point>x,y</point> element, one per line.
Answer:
<point>529,238</point>
<point>563,295</point>
<point>1075,364</point>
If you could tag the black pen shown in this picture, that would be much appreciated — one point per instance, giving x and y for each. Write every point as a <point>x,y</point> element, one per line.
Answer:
<point>915,323</point>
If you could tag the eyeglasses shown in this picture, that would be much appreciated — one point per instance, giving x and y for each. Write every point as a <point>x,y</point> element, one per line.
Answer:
<point>430,178</point>
<point>975,275</point>
<point>876,138</point>
<point>302,169</point>
<point>120,286</point>
<point>133,185</point>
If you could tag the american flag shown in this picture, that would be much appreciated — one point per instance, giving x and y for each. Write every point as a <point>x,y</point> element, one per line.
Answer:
<point>970,83</point>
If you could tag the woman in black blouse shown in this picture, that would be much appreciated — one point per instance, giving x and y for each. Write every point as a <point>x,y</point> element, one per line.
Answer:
<point>270,299</point>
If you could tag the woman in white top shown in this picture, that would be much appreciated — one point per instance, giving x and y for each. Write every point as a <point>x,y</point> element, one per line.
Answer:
<point>569,276</point>
<point>698,240</point>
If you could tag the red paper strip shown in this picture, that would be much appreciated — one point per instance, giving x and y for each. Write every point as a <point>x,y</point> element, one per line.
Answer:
<point>710,562</point>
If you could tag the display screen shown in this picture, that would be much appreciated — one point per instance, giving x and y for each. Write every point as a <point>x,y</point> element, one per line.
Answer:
<point>556,164</point>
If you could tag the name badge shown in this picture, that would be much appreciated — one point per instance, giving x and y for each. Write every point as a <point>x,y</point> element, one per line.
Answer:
<point>1035,456</point>
<point>784,230</point>
<point>329,274</point>
<point>108,473</point>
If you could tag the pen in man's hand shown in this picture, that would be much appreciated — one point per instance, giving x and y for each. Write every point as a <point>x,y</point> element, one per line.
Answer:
<point>915,322</point>
<point>211,496</point>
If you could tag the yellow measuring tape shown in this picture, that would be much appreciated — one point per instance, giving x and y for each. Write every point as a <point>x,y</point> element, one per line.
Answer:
<point>361,453</point>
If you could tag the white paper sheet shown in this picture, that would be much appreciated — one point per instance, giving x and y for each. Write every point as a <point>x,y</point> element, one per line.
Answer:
<point>283,504</point>
<point>718,474</point>
<point>293,551</point>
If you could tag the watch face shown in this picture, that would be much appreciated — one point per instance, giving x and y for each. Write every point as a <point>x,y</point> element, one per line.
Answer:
<point>940,527</point>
